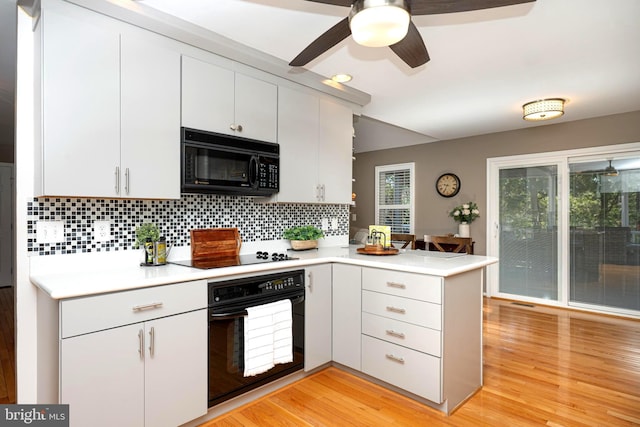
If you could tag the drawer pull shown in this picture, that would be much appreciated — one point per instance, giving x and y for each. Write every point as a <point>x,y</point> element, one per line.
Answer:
<point>396,285</point>
<point>395,358</point>
<point>147,306</point>
<point>141,343</point>
<point>394,333</point>
<point>396,309</point>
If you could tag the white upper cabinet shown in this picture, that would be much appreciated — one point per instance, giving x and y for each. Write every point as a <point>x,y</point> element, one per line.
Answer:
<point>110,108</point>
<point>150,119</point>
<point>335,152</point>
<point>298,125</point>
<point>221,100</point>
<point>80,106</point>
<point>314,134</point>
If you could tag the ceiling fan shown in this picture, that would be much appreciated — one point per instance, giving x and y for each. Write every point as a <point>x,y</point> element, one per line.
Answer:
<point>378,23</point>
<point>608,171</point>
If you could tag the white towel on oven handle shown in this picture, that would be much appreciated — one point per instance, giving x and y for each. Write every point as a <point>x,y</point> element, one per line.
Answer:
<point>267,336</point>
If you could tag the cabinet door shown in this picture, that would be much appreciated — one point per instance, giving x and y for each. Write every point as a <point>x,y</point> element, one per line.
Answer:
<point>150,106</point>
<point>176,369</point>
<point>207,96</point>
<point>80,105</point>
<point>256,108</point>
<point>102,378</point>
<point>335,152</point>
<point>317,317</point>
<point>298,137</point>
<point>346,315</point>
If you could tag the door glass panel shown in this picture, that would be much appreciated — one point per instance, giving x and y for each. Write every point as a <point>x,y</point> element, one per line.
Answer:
<point>605,232</point>
<point>528,231</point>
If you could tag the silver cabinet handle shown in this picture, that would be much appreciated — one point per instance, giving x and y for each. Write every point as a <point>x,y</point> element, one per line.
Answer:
<point>310,284</point>
<point>147,306</point>
<point>396,309</point>
<point>126,180</point>
<point>152,341</point>
<point>396,285</point>
<point>236,128</point>
<point>395,358</point>
<point>395,334</point>
<point>141,343</point>
<point>117,179</point>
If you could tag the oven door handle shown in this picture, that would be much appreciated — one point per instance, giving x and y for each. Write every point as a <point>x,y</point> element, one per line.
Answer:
<point>242,313</point>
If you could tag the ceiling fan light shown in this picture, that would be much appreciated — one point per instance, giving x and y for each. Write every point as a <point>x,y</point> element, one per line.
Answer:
<point>543,109</point>
<point>379,23</point>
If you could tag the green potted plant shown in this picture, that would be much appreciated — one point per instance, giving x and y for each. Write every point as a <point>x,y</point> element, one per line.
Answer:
<point>146,235</point>
<point>303,237</point>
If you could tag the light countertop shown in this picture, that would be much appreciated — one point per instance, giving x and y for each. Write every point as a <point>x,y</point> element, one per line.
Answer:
<point>77,275</point>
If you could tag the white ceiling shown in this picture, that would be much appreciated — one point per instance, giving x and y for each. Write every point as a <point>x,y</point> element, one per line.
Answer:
<point>484,64</point>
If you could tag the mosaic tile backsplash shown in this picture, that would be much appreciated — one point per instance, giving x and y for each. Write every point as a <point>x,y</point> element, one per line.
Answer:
<point>255,221</point>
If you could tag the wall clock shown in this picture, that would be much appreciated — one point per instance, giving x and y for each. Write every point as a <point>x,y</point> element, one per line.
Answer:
<point>448,184</point>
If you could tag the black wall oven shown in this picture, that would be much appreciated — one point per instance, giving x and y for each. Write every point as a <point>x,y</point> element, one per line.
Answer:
<point>223,164</point>
<point>228,301</point>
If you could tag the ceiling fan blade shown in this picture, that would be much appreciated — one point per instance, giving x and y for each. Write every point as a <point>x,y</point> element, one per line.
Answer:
<point>326,41</point>
<point>347,3</point>
<point>411,49</point>
<point>435,7</point>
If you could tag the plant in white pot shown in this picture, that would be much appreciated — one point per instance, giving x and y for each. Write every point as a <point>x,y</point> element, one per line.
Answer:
<point>465,215</point>
<point>303,237</point>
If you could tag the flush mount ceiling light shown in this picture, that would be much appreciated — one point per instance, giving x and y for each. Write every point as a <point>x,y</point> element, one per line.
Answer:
<point>543,109</point>
<point>341,78</point>
<point>377,23</point>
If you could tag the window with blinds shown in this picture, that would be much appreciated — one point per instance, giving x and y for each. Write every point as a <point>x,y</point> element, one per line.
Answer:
<point>395,195</point>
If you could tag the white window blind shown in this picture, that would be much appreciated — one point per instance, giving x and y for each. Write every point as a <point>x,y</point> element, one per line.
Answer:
<point>395,194</point>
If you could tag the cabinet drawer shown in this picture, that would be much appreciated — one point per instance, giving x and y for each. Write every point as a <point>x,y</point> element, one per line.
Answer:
<point>90,314</point>
<point>405,334</point>
<point>410,370</point>
<point>410,285</point>
<point>407,310</point>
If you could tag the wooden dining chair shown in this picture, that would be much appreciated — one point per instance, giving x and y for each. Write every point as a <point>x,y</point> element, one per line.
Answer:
<point>452,244</point>
<point>406,239</point>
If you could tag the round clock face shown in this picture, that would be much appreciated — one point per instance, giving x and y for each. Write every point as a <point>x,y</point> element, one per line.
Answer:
<point>448,185</point>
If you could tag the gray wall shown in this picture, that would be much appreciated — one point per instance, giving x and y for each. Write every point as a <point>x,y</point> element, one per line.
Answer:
<point>467,157</point>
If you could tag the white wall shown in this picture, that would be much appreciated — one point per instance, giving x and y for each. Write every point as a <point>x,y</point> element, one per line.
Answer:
<point>26,295</point>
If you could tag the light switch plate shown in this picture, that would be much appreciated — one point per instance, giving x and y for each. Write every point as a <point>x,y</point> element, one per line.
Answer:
<point>102,231</point>
<point>49,231</point>
<point>325,224</point>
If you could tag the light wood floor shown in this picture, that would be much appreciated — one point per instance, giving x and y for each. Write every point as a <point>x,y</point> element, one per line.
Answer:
<point>542,366</point>
<point>7,347</point>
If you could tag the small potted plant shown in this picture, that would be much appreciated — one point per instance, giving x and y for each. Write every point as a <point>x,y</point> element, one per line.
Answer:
<point>146,235</point>
<point>303,237</point>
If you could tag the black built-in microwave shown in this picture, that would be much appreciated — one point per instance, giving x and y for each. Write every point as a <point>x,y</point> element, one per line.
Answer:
<point>224,164</point>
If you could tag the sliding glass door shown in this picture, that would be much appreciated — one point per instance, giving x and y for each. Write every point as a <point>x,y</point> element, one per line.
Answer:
<point>528,224</point>
<point>604,234</point>
<point>566,228</point>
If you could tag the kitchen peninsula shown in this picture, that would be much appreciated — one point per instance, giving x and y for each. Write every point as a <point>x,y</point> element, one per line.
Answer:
<point>411,322</point>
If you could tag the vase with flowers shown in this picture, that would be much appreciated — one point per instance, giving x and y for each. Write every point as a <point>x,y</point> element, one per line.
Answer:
<point>465,214</point>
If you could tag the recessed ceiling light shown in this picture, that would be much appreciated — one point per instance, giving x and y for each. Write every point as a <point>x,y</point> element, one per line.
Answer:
<point>341,78</point>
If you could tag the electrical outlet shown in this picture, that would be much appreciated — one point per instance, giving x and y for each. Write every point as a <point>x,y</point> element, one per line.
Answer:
<point>102,231</point>
<point>49,231</point>
<point>325,224</point>
<point>334,223</point>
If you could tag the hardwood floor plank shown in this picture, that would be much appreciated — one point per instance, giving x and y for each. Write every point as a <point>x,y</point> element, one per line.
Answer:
<point>542,366</point>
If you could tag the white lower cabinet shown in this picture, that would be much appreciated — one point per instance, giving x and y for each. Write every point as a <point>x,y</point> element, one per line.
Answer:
<point>317,316</point>
<point>423,333</point>
<point>346,297</point>
<point>403,367</point>
<point>151,373</point>
<point>401,330</point>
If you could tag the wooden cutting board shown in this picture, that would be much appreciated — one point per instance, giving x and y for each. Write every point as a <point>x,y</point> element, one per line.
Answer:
<point>207,243</point>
